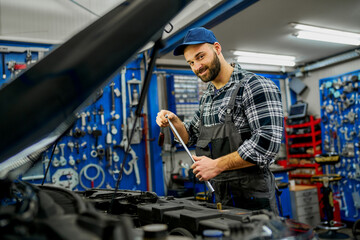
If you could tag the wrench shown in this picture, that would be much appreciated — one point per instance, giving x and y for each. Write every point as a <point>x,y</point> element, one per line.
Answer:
<point>208,184</point>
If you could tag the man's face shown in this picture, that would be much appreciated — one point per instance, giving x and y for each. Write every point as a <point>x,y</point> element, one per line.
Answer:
<point>203,61</point>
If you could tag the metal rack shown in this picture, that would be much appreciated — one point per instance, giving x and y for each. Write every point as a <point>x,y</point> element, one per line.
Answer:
<point>307,131</point>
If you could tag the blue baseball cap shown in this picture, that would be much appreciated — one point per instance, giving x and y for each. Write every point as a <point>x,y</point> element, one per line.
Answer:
<point>195,36</point>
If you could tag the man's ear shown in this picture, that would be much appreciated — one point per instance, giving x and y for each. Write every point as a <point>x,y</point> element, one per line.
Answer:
<point>217,48</point>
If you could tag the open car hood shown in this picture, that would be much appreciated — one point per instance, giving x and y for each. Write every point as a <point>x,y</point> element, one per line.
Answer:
<point>40,104</point>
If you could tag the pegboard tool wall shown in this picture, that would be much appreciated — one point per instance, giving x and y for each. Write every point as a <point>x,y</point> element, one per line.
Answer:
<point>95,148</point>
<point>16,56</point>
<point>339,98</point>
<point>91,153</point>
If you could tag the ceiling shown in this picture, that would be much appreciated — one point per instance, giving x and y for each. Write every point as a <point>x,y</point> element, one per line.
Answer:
<point>261,27</point>
<point>264,27</point>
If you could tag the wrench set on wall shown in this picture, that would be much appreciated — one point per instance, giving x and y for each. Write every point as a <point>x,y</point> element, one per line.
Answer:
<point>340,135</point>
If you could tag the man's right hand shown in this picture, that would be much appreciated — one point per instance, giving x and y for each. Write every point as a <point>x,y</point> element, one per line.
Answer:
<point>162,121</point>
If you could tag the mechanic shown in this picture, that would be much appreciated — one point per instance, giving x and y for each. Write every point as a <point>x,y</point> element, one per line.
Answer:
<point>237,128</point>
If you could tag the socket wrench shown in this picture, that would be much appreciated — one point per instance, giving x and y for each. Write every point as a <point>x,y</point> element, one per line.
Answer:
<point>187,150</point>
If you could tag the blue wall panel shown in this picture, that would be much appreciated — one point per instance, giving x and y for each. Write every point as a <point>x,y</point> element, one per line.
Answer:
<point>76,166</point>
<point>340,127</point>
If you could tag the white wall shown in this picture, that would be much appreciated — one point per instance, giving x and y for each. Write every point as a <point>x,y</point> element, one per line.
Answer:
<point>312,94</point>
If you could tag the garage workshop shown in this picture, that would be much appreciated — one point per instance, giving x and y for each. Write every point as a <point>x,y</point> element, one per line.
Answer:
<point>157,119</point>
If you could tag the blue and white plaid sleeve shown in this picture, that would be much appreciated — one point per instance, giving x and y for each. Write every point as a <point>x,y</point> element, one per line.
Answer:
<point>263,109</point>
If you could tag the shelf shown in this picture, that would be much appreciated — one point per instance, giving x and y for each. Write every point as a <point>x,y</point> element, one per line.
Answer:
<point>300,175</point>
<point>317,167</point>
<point>308,165</point>
<point>302,125</point>
<point>305,155</point>
<point>309,144</point>
<point>304,135</point>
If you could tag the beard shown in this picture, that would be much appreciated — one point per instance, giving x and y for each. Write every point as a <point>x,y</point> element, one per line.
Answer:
<point>213,72</point>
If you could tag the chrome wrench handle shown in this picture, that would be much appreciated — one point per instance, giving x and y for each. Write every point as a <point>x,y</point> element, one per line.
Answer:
<point>208,184</point>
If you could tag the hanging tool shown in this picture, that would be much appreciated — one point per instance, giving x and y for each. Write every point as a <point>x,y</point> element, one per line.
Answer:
<point>84,172</point>
<point>133,94</point>
<point>344,206</point>
<point>112,98</point>
<point>83,120</point>
<point>72,178</point>
<point>108,135</point>
<point>187,150</point>
<point>96,133</point>
<point>332,137</point>
<point>101,113</point>
<point>62,157</point>
<point>108,156</point>
<point>100,151</point>
<point>28,58</point>
<point>94,112</point>
<point>114,131</point>
<point>125,141</point>
<point>3,66</point>
<point>356,199</point>
<point>135,123</point>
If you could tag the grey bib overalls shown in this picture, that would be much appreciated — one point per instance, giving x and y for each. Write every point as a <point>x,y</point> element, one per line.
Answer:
<point>250,188</point>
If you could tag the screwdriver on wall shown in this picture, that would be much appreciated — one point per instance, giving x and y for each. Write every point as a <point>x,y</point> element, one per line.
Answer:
<point>187,150</point>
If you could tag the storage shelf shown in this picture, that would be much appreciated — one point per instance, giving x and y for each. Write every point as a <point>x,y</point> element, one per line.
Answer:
<point>303,125</point>
<point>305,155</point>
<point>309,144</point>
<point>304,135</point>
<point>307,165</point>
<point>300,175</point>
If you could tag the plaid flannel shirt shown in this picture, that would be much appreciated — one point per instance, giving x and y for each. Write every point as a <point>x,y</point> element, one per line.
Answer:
<point>257,114</point>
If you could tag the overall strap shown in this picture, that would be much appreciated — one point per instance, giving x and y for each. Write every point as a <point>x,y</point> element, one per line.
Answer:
<point>230,107</point>
<point>201,115</point>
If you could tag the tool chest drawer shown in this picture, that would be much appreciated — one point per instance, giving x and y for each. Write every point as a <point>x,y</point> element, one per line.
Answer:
<point>305,204</point>
<point>306,210</point>
<point>311,220</point>
<point>303,195</point>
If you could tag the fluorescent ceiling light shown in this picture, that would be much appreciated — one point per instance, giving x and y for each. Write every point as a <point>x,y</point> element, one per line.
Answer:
<point>327,38</point>
<point>326,35</point>
<point>325,30</point>
<point>267,59</point>
<point>265,68</point>
<point>264,55</point>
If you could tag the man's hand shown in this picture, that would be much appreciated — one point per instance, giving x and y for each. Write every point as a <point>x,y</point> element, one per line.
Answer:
<point>162,121</point>
<point>205,168</point>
